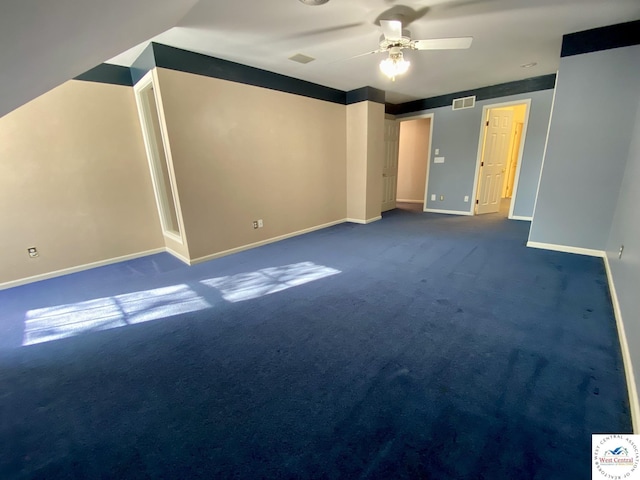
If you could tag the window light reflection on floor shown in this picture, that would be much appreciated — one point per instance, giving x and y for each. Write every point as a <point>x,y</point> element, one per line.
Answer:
<point>62,321</point>
<point>246,286</point>
<point>54,323</point>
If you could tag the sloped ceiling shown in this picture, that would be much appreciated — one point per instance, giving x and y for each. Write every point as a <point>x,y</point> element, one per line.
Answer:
<point>44,43</point>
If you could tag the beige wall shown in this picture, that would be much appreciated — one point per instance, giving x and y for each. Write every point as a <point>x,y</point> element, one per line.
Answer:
<point>412,159</point>
<point>365,158</point>
<point>375,162</point>
<point>357,161</point>
<point>242,153</point>
<point>75,181</point>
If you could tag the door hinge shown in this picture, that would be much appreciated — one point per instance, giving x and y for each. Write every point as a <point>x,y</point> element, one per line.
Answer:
<point>487,124</point>
<point>477,202</point>
<point>482,164</point>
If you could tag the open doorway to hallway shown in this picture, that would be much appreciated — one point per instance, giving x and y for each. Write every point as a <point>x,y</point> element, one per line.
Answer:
<point>413,153</point>
<point>500,150</point>
<point>406,163</point>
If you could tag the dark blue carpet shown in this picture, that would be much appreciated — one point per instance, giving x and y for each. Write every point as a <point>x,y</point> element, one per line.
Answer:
<point>420,346</point>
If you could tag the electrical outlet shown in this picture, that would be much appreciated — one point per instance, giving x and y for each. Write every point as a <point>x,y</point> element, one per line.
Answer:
<point>255,224</point>
<point>33,252</point>
<point>437,151</point>
<point>441,197</point>
<point>466,199</point>
<point>260,223</point>
<point>433,197</point>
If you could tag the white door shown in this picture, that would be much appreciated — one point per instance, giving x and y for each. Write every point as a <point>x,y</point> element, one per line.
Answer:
<point>390,167</point>
<point>494,160</point>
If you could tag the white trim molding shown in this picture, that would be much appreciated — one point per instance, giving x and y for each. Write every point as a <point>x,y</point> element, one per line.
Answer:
<point>363,222</point>
<point>448,212</point>
<point>78,268</point>
<point>403,200</point>
<point>518,217</point>
<point>249,246</point>
<point>634,405</point>
<point>567,249</point>
<point>180,257</point>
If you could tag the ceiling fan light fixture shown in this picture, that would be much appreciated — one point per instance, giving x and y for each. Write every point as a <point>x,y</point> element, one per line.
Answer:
<point>394,65</point>
<point>314,3</point>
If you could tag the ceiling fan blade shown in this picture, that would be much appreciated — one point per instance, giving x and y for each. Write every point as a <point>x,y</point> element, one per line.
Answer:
<point>443,43</point>
<point>357,56</point>
<point>368,53</point>
<point>326,30</point>
<point>392,29</point>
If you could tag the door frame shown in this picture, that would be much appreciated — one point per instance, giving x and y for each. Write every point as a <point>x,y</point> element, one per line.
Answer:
<point>426,180</point>
<point>516,178</point>
<point>150,80</point>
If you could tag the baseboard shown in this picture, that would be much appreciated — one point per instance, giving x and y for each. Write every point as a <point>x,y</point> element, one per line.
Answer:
<point>567,249</point>
<point>364,222</point>
<point>249,246</point>
<point>447,212</point>
<point>79,268</point>
<point>626,355</point>
<point>518,217</point>
<point>178,256</point>
<point>408,201</point>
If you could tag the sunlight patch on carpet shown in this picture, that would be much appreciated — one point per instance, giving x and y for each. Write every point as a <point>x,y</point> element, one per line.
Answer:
<point>247,286</point>
<point>62,321</point>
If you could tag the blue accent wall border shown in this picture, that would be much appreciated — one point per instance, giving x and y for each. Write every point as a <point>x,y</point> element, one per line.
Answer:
<point>107,73</point>
<point>196,63</point>
<point>164,56</point>
<point>145,62</point>
<point>534,84</point>
<point>603,38</point>
<point>365,94</point>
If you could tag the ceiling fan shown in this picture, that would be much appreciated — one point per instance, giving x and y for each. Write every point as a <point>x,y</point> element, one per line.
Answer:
<point>394,40</point>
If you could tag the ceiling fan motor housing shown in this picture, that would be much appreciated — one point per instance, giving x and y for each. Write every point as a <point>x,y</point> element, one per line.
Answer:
<point>402,42</point>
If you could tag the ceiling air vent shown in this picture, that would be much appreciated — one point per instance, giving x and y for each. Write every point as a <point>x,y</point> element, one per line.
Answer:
<point>300,58</point>
<point>464,102</point>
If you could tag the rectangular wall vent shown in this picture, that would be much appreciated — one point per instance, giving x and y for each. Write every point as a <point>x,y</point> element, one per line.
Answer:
<point>301,58</point>
<point>464,102</point>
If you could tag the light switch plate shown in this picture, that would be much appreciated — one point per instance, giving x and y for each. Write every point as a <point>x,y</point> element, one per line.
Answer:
<point>437,151</point>
<point>466,198</point>
<point>433,197</point>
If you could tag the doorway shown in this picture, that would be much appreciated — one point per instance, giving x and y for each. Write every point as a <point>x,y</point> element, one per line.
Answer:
<point>502,138</point>
<point>405,171</point>
<point>406,163</point>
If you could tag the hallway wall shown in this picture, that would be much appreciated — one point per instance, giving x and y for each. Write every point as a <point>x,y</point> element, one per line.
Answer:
<point>412,159</point>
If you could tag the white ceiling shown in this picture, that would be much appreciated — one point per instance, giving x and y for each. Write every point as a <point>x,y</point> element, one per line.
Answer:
<point>45,43</point>
<point>507,34</point>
